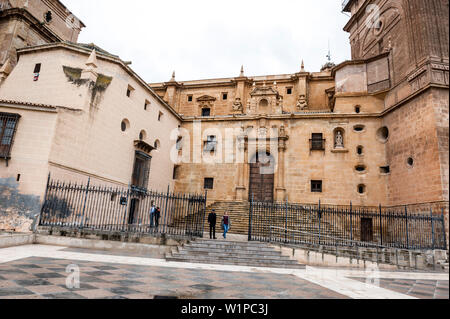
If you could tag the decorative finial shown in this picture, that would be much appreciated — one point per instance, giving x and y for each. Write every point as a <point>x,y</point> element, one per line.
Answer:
<point>303,66</point>
<point>173,76</point>
<point>92,60</point>
<point>242,71</point>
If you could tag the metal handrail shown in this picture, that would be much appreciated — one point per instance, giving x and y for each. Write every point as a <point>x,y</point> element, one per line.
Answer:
<point>366,244</point>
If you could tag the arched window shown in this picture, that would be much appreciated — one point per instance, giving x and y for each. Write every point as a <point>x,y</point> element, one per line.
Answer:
<point>157,145</point>
<point>263,103</point>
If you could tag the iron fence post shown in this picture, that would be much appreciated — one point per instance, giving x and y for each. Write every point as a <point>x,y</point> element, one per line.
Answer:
<point>407,235</point>
<point>85,201</point>
<point>250,220</point>
<point>320,217</point>
<point>204,213</point>
<point>38,219</point>
<point>381,228</point>
<point>432,228</point>
<point>351,222</point>
<point>286,221</point>
<point>443,228</point>
<point>126,207</point>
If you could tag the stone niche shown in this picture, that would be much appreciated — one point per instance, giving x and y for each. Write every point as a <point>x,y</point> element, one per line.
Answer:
<point>265,100</point>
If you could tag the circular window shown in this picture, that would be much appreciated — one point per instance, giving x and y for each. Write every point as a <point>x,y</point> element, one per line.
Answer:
<point>383,134</point>
<point>360,168</point>
<point>125,125</point>
<point>359,128</point>
<point>361,189</point>
<point>410,162</point>
<point>48,16</point>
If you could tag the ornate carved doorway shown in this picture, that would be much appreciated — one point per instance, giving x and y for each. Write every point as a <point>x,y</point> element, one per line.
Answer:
<point>262,177</point>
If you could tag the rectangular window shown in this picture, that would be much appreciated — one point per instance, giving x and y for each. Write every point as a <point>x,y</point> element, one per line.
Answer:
<point>288,91</point>
<point>37,71</point>
<point>317,142</point>
<point>141,170</point>
<point>385,169</point>
<point>179,143</point>
<point>190,98</point>
<point>206,112</point>
<point>37,68</point>
<point>176,168</point>
<point>160,116</point>
<point>130,90</point>
<point>209,183</point>
<point>224,96</point>
<point>146,105</point>
<point>8,125</point>
<point>316,186</point>
<point>210,144</point>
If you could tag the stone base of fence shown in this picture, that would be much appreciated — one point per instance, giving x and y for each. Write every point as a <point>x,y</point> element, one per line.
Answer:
<point>369,258</point>
<point>138,238</point>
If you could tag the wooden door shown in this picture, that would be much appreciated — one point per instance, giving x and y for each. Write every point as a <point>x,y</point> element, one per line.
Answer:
<point>261,183</point>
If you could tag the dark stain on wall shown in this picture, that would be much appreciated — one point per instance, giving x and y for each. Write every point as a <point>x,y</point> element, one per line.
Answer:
<point>18,212</point>
<point>96,88</point>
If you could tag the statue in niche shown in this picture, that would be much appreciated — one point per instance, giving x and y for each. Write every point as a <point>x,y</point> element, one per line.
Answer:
<point>339,140</point>
<point>237,105</point>
<point>302,103</point>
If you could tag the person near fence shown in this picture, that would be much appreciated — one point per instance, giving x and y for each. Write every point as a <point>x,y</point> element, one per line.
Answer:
<point>157,216</point>
<point>226,224</point>
<point>152,214</point>
<point>212,220</point>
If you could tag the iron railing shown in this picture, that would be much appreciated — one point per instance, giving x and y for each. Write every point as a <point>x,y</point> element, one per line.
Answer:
<point>340,225</point>
<point>121,209</point>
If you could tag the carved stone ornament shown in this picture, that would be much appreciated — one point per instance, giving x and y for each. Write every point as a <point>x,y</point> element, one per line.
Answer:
<point>302,103</point>
<point>206,101</point>
<point>237,105</point>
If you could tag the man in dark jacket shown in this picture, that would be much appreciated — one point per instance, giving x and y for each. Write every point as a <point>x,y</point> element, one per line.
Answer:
<point>212,219</point>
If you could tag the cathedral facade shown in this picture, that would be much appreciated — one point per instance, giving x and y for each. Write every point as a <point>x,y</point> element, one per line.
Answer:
<point>369,131</point>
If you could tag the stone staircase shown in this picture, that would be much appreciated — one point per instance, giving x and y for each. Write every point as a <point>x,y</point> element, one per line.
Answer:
<point>238,212</point>
<point>224,252</point>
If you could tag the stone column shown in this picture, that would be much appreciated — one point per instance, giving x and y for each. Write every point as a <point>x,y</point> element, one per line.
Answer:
<point>281,189</point>
<point>240,188</point>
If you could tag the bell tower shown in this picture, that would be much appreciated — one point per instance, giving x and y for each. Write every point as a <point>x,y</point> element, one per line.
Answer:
<point>34,22</point>
<point>413,31</point>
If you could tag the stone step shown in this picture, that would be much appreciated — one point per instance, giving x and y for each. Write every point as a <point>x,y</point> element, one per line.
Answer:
<point>233,254</point>
<point>240,262</point>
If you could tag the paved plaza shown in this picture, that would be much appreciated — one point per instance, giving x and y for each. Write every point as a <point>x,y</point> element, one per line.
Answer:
<point>41,272</point>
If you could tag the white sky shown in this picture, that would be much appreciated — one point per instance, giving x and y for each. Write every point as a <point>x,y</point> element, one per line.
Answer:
<point>202,39</point>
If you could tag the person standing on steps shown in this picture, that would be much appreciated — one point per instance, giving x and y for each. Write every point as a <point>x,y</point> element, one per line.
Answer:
<point>226,224</point>
<point>212,220</point>
<point>152,214</point>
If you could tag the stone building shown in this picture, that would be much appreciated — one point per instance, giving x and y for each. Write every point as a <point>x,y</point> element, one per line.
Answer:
<point>372,130</point>
<point>85,114</point>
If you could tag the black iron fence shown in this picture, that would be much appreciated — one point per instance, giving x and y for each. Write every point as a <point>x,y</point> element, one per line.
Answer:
<point>119,209</point>
<point>347,225</point>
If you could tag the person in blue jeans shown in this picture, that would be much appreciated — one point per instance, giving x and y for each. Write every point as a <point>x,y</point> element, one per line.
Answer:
<point>226,224</point>
<point>152,214</point>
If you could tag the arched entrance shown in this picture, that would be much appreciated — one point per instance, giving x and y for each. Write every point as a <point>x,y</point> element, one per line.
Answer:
<point>262,177</point>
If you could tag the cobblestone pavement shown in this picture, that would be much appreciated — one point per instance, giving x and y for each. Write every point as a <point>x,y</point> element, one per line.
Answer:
<point>41,272</point>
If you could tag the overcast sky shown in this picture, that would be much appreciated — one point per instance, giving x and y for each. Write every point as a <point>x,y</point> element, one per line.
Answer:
<point>202,39</point>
